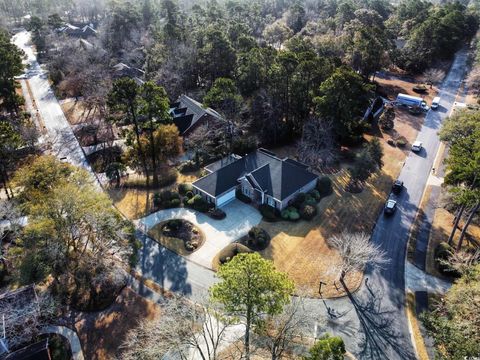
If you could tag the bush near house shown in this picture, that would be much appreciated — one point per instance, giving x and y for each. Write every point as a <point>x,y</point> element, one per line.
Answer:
<point>308,212</point>
<point>183,188</point>
<point>242,197</point>
<point>231,250</point>
<point>290,213</point>
<point>198,203</point>
<point>166,199</point>
<point>324,186</point>
<point>268,212</point>
<point>188,166</point>
<point>315,194</point>
<point>258,239</point>
<point>217,214</point>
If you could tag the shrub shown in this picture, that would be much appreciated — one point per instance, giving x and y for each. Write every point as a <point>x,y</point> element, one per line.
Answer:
<point>298,200</point>
<point>309,200</point>
<point>315,194</point>
<point>242,197</point>
<point>308,212</point>
<point>174,224</point>
<point>198,203</point>
<point>391,142</point>
<point>217,214</point>
<point>401,141</point>
<point>324,186</point>
<point>290,214</point>
<point>166,199</point>
<point>230,251</point>
<point>188,166</point>
<point>268,212</point>
<point>189,194</point>
<point>442,254</point>
<point>258,238</point>
<point>183,188</point>
<point>175,203</point>
<point>168,178</point>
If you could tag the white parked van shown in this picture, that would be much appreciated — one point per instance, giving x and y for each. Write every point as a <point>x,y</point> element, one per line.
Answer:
<point>435,102</point>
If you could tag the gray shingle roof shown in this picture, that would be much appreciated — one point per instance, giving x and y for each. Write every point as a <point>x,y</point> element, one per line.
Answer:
<point>194,112</point>
<point>277,177</point>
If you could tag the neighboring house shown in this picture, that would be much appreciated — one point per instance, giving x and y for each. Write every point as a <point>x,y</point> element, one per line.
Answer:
<point>260,175</point>
<point>83,32</point>
<point>188,114</point>
<point>123,70</point>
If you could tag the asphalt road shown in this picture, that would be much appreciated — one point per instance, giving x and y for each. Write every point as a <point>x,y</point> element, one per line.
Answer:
<point>372,321</point>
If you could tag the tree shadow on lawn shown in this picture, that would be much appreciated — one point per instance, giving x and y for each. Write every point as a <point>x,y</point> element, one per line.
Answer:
<point>163,266</point>
<point>381,337</point>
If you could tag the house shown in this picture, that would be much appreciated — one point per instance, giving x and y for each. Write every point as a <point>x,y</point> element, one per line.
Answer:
<point>260,175</point>
<point>123,70</point>
<point>188,114</point>
<point>83,32</point>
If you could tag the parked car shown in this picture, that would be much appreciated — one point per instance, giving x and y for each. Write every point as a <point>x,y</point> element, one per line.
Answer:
<point>417,146</point>
<point>390,207</point>
<point>397,187</point>
<point>435,102</point>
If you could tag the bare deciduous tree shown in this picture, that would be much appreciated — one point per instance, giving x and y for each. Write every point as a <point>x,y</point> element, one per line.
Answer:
<point>24,315</point>
<point>284,331</point>
<point>461,261</point>
<point>317,146</point>
<point>356,251</point>
<point>183,329</point>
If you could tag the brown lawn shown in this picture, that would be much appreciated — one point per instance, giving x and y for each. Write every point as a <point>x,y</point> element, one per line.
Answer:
<point>102,333</point>
<point>300,249</point>
<point>132,201</point>
<point>76,112</point>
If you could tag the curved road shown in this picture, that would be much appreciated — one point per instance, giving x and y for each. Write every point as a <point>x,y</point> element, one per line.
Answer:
<point>372,321</point>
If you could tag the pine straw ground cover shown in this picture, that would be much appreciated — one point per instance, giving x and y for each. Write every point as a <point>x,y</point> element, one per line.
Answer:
<point>300,248</point>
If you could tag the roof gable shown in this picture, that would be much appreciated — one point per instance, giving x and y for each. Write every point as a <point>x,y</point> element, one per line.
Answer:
<point>266,172</point>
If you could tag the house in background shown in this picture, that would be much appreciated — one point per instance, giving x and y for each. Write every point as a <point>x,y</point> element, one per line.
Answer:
<point>83,32</point>
<point>260,175</point>
<point>188,114</point>
<point>121,70</point>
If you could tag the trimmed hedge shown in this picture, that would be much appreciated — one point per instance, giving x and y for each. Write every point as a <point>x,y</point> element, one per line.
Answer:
<point>188,166</point>
<point>198,203</point>
<point>315,194</point>
<point>217,214</point>
<point>258,238</point>
<point>166,199</point>
<point>183,188</point>
<point>290,213</point>
<point>268,212</point>
<point>308,212</point>
<point>242,197</point>
<point>324,186</point>
<point>230,251</point>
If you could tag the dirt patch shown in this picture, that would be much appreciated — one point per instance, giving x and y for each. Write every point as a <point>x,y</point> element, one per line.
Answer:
<point>183,239</point>
<point>102,333</point>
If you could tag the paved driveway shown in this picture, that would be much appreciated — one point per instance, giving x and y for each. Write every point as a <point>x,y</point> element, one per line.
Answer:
<point>218,233</point>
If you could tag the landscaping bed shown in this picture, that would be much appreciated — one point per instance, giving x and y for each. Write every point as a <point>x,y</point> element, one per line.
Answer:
<point>180,236</point>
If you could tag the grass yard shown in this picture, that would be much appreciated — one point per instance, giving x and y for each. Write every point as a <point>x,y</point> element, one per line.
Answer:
<point>102,333</point>
<point>300,249</point>
<point>76,112</point>
<point>132,201</point>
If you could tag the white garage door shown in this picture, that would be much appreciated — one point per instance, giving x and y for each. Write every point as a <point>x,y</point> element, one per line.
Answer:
<point>226,198</point>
